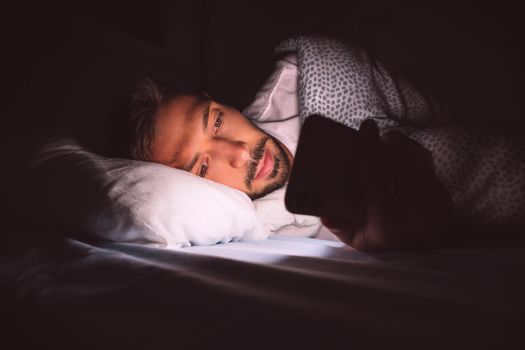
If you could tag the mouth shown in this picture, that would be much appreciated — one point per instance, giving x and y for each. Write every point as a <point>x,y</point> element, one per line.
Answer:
<point>265,165</point>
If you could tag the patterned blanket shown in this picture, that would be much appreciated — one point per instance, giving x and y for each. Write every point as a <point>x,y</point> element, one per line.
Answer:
<point>483,170</point>
<point>345,84</point>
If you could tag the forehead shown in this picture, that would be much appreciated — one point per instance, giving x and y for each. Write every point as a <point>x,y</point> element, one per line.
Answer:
<point>176,125</point>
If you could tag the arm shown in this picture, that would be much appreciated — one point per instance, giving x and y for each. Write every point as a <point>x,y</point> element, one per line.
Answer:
<point>466,185</point>
<point>405,204</point>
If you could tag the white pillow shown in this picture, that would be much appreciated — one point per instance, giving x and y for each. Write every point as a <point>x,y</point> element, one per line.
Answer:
<point>130,201</point>
<point>277,98</point>
<point>275,109</point>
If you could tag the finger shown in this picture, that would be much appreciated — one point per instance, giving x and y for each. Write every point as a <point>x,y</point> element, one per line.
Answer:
<point>343,229</point>
<point>410,150</point>
<point>372,163</point>
<point>331,222</point>
<point>369,128</point>
<point>377,182</point>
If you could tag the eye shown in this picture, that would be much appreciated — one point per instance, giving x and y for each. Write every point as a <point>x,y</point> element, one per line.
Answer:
<point>218,121</point>
<point>204,169</point>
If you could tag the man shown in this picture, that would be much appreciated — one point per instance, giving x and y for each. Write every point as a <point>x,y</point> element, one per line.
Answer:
<point>193,132</point>
<point>215,141</point>
<point>418,191</point>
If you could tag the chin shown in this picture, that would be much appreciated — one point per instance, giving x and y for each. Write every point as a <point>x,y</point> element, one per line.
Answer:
<point>266,187</point>
<point>270,184</point>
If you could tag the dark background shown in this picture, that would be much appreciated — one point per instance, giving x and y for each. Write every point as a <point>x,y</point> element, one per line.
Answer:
<point>70,61</point>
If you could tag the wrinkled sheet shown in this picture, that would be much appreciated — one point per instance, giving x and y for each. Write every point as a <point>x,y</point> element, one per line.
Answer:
<point>282,292</point>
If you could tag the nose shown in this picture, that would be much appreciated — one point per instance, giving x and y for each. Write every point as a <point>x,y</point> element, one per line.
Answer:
<point>236,153</point>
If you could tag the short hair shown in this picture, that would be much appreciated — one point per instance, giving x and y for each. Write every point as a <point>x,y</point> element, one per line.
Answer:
<point>131,125</point>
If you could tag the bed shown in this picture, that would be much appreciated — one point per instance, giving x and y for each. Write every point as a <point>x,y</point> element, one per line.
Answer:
<point>283,292</point>
<point>105,261</point>
<point>61,288</point>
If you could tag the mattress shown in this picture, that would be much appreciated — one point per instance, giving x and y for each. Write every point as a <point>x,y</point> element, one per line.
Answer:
<point>281,292</point>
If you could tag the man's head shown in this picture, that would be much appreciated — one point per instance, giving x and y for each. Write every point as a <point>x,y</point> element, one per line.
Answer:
<point>191,131</point>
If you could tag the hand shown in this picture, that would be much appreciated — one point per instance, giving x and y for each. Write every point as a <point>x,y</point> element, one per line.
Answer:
<point>405,204</point>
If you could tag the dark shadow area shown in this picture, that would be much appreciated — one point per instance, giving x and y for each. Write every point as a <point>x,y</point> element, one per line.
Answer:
<point>69,62</point>
<point>65,63</point>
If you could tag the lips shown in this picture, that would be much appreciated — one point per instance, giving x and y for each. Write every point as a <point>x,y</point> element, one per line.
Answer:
<point>265,165</point>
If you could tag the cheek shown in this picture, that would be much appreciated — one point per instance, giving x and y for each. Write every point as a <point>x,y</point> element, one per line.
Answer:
<point>230,177</point>
<point>245,129</point>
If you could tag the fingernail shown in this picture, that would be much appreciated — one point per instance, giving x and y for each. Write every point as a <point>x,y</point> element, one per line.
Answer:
<point>369,126</point>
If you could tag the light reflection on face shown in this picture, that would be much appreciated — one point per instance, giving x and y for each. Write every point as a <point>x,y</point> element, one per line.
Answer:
<point>217,142</point>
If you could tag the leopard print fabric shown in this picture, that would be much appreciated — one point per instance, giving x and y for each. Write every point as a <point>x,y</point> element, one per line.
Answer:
<point>484,172</point>
<point>344,84</point>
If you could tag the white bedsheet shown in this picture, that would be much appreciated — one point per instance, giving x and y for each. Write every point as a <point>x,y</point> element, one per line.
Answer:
<point>282,292</point>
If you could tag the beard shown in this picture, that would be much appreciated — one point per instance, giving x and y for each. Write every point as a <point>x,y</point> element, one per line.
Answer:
<point>280,171</point>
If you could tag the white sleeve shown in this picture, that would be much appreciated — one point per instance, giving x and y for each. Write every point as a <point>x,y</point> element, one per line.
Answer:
<point>277,100</point>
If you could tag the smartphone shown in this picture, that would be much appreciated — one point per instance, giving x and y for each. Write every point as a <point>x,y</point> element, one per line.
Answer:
<point>324,180</point>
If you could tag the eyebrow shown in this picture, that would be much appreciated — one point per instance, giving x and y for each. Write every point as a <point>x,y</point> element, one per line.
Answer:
<point>205,119</point>
<point>192,163</point>
<point>206,116</point>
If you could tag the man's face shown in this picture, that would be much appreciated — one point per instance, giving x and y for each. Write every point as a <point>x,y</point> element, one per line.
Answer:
<point>217,142</point>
